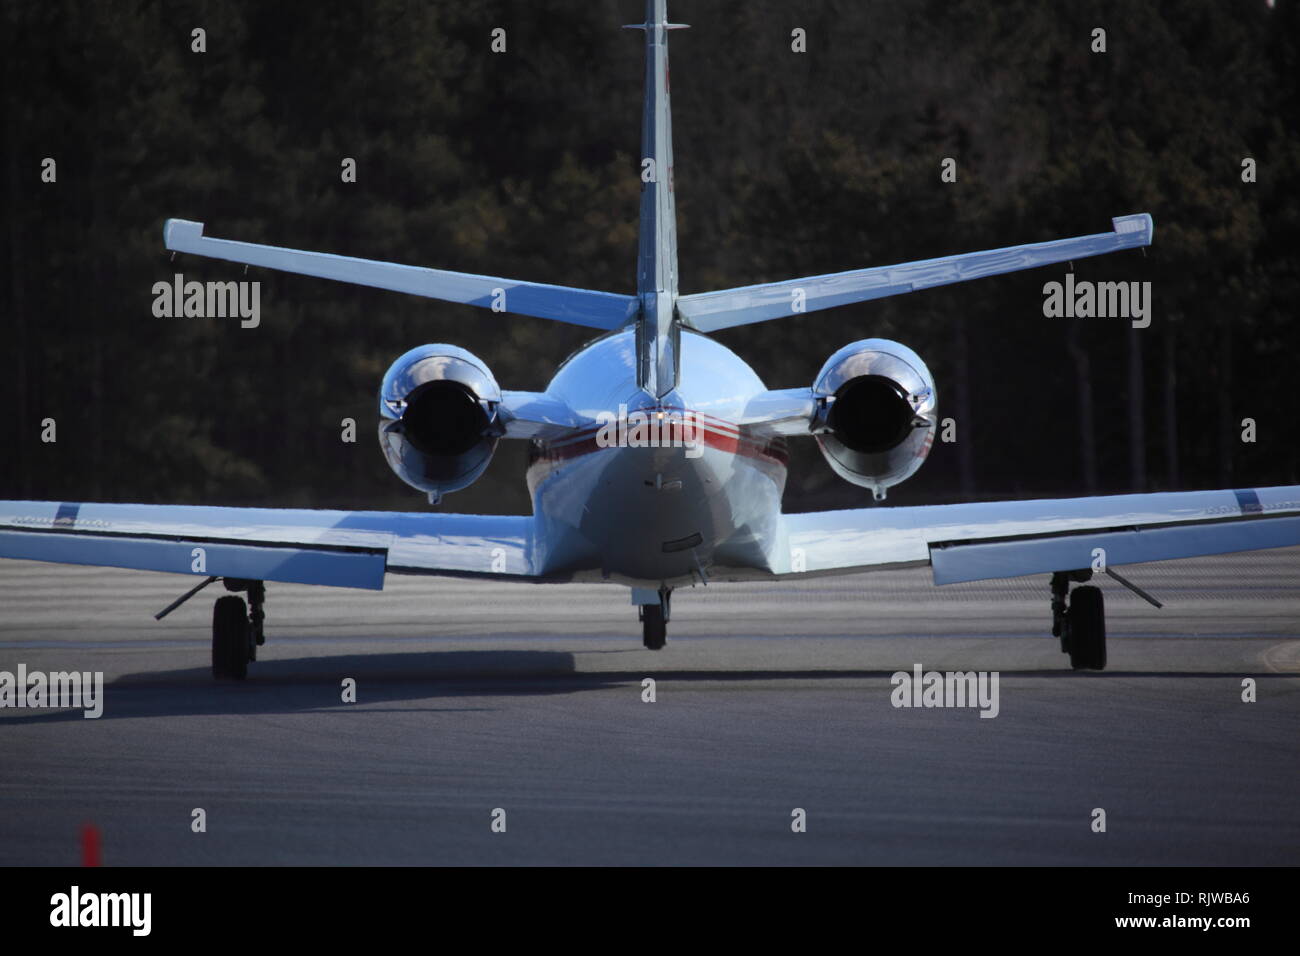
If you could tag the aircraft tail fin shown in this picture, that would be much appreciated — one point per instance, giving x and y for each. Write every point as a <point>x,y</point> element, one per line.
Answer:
<point>656,271</point>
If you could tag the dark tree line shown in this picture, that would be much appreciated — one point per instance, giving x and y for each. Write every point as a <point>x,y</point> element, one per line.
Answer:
<point>524,164</point>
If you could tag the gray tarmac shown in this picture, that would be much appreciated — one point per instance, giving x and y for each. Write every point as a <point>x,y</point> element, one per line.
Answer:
<point>474,695</point>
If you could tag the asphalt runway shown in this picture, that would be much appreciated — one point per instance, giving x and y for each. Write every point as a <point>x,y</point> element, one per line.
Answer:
<point>473,696</point>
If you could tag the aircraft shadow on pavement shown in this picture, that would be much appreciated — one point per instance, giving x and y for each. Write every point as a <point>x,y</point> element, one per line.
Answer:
<point>315,684</point>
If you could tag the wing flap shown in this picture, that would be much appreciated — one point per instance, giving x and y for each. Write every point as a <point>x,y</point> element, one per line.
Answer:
<point>261,562</point>
<point>955,563</point>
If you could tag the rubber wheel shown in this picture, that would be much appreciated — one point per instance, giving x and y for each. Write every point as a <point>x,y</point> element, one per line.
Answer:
<point>231,638</point>
<point>1087,629</point>
<point>654,629</point>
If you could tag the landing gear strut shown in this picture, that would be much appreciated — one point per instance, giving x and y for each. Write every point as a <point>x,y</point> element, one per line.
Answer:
<point>256,613</point>
<point>237,628</point>
<point>1079,620</point>
<point>654,620</point>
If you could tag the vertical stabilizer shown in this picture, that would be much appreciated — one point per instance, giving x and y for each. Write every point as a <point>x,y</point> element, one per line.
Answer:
<point>657,252</point>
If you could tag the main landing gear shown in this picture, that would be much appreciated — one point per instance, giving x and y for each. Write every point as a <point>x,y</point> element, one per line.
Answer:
<point>1079,617</point>
<point>654,618</point>
<point>1079,620</point>
<point>237,627</point>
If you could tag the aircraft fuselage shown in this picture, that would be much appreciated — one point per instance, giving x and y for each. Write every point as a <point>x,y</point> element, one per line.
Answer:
<point>652,516</point>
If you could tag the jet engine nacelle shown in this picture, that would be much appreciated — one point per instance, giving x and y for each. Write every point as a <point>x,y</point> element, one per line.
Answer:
<point>438,418</point>
<point>875,416</point>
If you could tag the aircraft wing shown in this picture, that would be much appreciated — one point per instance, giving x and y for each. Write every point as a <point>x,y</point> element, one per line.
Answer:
<point>1002,539</point>
<point>601,310</point>
<point>711,311</point>
<point>339,548</point>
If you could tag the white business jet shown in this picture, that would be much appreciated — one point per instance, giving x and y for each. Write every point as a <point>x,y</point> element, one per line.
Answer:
<point>657,455</point>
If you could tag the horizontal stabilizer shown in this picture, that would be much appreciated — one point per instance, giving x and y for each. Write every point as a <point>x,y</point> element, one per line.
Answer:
<point>599,310</point>
<point>710,311</point>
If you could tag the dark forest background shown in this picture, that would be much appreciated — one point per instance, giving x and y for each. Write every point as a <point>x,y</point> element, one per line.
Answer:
<point>524,164</point>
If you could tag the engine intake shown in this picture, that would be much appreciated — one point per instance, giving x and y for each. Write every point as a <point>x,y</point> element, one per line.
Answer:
<point>876,417</point>
<point>438,418</point>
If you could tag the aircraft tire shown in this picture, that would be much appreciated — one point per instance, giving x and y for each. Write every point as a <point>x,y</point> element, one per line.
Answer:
<point>1087,629</point>
<point>231,635</point>
<point>654,629</point>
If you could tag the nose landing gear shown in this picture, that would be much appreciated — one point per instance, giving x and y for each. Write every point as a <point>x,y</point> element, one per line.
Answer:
<point>654,614</point>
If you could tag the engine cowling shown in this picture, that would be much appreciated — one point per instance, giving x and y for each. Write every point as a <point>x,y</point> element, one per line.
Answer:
<point>438,418</point>
<point>876,413</point>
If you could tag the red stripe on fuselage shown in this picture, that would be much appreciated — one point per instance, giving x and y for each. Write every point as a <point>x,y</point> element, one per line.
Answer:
<point>699,418</point>
<point>714,433</point>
